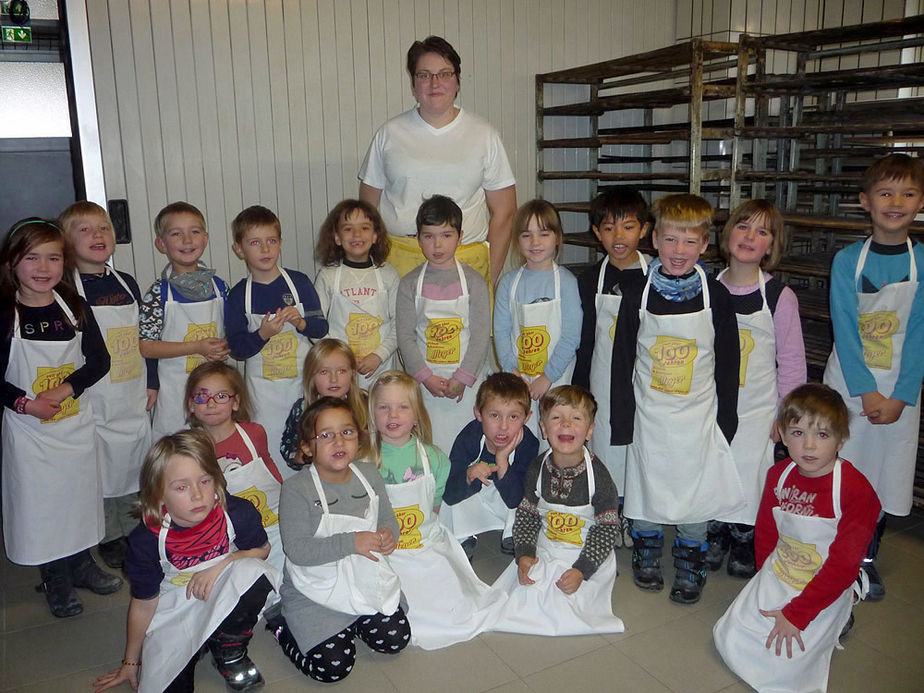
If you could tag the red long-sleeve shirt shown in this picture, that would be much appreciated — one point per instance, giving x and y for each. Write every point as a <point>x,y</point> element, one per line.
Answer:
<point>812,497</point>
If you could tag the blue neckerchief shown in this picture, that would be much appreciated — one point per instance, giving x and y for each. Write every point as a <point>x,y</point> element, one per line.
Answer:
<point>193,286</point>
<point>675,289</point>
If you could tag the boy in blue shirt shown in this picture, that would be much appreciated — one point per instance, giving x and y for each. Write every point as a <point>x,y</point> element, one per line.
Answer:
<point>269,317</point>
<point>877,313</point>
<point>489,460</point>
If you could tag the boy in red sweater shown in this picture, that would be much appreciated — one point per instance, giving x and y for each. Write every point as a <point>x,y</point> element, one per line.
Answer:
<point>816,518</point>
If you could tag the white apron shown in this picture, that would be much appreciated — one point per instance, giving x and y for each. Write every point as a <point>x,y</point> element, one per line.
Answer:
<point>679,468</point>
<point>601,375</point>
<point>443,333</point>
<point>447,603</point>
<point>181,626</point>
<point>52,491</point>
<point>354,584</point>
<point>482,512</point>
<point>252,481</point>
<point>536,332</point>
<point>741,634</point>
<point>542,608</point>
<point>274,374</point>
<point>886,454</point>
<point>751,447</point>
<point>362,323</point>
<point>183,322</point>
<point>123,425</point>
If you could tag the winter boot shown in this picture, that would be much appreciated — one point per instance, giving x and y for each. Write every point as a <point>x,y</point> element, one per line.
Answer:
<point>741,561</point>
<point>690,562</point>
<point>876,588</point>
<point>719,539</point>
<point>229,653</point>
<point>646,560</point>
<point>86,574</point>
<point>113,552</point>
<point>59,592</point>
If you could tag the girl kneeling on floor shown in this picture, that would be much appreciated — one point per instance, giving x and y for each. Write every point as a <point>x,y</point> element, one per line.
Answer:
<point>336,525</point>
<point>197,571</point>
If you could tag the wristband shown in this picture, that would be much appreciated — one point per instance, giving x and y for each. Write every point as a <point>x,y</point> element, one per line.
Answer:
<point>20,406</point>
<point>126,663</point>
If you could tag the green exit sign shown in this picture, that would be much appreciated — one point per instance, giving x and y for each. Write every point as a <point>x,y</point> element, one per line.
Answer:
<point>17,34</point>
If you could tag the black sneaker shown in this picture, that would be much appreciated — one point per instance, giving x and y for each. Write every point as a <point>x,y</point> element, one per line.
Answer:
<point>646,560</point>
<point>741,560</point>
<point>87,575</point>
<point>506,546</point>
<point>876,591</point>
<point>229,654</point>
<point>58,590</point>
<point>113,552</point>
<point>468,545</point>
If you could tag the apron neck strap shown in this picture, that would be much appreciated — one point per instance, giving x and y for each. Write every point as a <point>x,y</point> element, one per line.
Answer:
<point>251,448</point>
<point>835,485</point>
<point>424,457</point>
<point>588,466</point>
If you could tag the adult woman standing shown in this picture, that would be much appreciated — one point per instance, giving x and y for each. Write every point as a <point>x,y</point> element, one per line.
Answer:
<point>438,147</point>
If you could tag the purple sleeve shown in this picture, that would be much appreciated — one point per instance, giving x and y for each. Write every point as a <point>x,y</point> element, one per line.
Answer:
<point>790,348</point>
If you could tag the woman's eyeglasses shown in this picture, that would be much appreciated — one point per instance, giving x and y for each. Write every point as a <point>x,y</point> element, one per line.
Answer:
<point>219,397</point>
<point>444,76</point>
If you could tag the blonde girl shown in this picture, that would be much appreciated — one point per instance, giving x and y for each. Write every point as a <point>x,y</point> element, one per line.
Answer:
<point>772,364</point>
<point>447,603</point>
<point>539,306</point>
<point>196,570</point>
<point>51,351</point>
<point>337,523</point>
<point>358,289</point>
<point>330,370</point>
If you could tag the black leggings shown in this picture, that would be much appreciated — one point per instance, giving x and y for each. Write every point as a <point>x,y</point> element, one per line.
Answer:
<point>333,659</point>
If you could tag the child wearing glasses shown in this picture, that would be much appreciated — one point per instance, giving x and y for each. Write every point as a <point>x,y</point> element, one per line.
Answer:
<point>337,524</point>
<point>217,402</point>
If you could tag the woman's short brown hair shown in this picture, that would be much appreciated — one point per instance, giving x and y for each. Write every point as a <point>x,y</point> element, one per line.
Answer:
<point>433,44</point>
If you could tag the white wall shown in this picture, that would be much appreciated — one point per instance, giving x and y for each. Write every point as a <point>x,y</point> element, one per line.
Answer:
<point>227,103</point>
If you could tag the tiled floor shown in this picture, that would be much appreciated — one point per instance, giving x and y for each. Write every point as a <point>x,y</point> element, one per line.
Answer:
<point>665,647</point>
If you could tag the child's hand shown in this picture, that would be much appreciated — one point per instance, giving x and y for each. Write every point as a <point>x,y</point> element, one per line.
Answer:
<point>367,364</point>
<point>271,325</point>
<point>889,411</point>
<point>481,471</point>
<point>42,407</point>
<point>502,456</point>
<point>387,538</point>
<point>570,580</point>
<point>455,389</point>
<point>117,676</point>
<point>213,348</point>
<point>152,399</point>
<point>539,386</point>
<point>364,543</point>
<point>523,567</point>
<point>782,630</point>
<point>872,401</point>
<point>201,583</point>
<point>58,393</point>
<point>436,385</point>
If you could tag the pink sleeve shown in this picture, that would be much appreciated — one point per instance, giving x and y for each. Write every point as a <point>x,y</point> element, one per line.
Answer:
<point>791,370</point>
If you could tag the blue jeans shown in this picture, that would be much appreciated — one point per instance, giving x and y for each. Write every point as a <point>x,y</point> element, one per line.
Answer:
<point>695,532</point>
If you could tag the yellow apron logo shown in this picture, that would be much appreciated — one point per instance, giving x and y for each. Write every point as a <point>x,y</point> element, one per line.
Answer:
<point>362,331</point>
<point>280,359</point>
<point>746,344</point>
<point>796,563</point>
<point>409,519</point>
<point>672,370</point>
<point>48,377</point>
<point>122,344</point>
<point>533,349</point>
<point>444,343</point>
<point>258,499</point>
<point>564,527</point>
<point>613,328</point>
<point>876,330</point>
<point>194,333</point>
<point>182,579</point>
